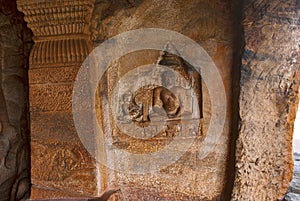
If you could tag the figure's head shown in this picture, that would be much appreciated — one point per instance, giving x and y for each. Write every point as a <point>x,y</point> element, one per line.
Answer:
<point>168,78</point>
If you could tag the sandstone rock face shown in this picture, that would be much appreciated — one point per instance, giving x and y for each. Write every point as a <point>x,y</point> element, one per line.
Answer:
<point>268,100</point>
<point>211,24</point>
<point>64,34</point>
<point>15,43</point>
<point>60,29</point>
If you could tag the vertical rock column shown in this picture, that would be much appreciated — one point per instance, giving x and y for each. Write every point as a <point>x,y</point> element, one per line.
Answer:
<point>268,100</point>
<point>15,44</point>
<point>60,166</point>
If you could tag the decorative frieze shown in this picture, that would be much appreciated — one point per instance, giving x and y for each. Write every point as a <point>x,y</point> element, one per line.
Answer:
<point>60,30</point>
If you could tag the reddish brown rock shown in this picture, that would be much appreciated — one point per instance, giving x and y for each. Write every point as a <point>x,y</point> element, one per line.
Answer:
<point>268,100</point>
<point>210,23</point>
<point>61,167</point>
<point>59,163</point>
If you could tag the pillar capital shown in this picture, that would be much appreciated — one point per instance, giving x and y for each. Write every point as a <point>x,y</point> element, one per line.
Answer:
<point>60,28</point>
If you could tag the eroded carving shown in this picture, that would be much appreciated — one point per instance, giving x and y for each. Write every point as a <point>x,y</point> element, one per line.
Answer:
<point>172,96</point>
<point>60,31</point>
<point>152,99</point>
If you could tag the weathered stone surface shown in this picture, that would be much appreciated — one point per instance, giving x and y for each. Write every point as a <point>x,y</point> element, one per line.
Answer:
<point>60,31</point>
<point>51,97</point>
<point>53,75</point>
<point>15,43</point>
<point>205,22</point>
<point>210,23</point>
<point>60,166</point>
<point>268,100</point>
<point>61,44</point>
<point>108,195</point>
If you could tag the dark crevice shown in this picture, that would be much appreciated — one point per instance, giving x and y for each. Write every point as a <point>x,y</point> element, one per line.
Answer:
<point>238,49</point>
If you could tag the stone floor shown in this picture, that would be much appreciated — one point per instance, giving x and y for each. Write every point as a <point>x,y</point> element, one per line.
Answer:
<point>294,190</point>
<point>109,195</point>
<point>293,193</point>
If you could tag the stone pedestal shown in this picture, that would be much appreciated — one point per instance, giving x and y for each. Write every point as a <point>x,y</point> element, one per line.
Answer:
<point>60,166</point>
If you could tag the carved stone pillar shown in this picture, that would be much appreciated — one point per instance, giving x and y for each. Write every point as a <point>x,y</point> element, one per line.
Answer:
<point>60,166</point>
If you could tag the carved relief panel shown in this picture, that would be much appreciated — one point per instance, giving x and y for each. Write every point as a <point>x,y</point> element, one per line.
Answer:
<point>137,115</point>
<point>142,108</point>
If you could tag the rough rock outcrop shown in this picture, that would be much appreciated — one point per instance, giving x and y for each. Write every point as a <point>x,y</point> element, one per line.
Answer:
<point>268,100</point>
<point>15,43</point>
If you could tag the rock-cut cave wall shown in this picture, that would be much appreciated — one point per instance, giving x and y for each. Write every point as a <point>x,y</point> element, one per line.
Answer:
<point>254,155</point>
<point>60,47</point>
<point>15,44</point>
